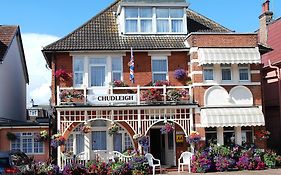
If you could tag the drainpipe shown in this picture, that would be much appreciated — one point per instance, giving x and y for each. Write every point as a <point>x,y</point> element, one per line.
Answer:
<point>279,87</point>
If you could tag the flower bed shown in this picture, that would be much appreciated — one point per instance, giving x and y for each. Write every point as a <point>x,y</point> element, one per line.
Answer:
<point>223,158</point>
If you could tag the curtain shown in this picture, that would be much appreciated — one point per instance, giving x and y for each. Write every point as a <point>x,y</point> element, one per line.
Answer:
<point>131,25</point>
<point>146,25</point>
<point>162,25</point>
<point>159,65</point>
<point>97,75</point>
<point>177,25</point>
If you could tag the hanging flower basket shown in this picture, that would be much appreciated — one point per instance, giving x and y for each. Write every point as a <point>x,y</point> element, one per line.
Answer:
<point>42,136</point>
<point>180,74</point>
<point>194,137</point>
<point>86,129</point>
<point>167,128</point>
<point>11,136</point>
<point>57,140</point>
<point>262,134</point>
<point>61,73</point>
<point>114,128</point>
<point>144,141</point>
<point>137,136</point>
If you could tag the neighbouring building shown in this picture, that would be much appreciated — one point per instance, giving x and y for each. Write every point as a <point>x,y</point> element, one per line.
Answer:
<point>180,67</point>
<point>270,34</point>
<point>16,133</point>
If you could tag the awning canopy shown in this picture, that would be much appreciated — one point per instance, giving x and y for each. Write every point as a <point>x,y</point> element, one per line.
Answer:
<point>228,56</point>
<point>224,117</point>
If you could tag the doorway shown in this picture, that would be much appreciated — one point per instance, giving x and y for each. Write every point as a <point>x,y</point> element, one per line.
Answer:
<point>162,146</point>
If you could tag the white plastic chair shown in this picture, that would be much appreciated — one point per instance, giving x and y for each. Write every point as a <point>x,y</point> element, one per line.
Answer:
<point>186,160</point>
<point>151,161</point>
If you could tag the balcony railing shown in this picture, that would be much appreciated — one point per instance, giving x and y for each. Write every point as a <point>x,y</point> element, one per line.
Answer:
<point>114,96</point>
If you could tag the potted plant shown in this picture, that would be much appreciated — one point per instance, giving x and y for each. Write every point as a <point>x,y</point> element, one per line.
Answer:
<point>144,141</point>
<point>86,129</point>
<point>42,136</point>
<point>57,140</point>
<point>262,134</point>
<point>167,128</point>
<point>71,96</point>
<point>194,137</point>
<point>180,74</point>
<point>114,128</point>
<point>11,136</point>
<point>151,95</point>
<point>61,73</point>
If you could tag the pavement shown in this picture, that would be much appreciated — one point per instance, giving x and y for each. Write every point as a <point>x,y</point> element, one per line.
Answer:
<point>260,172</point>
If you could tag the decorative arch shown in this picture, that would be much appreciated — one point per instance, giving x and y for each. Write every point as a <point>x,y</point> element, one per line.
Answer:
<point>173,121</point>
<point>241,95</point>
<point>216,95</point>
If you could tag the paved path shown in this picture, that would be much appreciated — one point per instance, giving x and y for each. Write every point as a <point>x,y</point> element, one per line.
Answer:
<point>261,172</point>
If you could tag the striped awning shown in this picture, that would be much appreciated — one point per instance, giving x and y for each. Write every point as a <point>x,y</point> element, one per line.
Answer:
<point>223,117</point>
<point>228,56</point>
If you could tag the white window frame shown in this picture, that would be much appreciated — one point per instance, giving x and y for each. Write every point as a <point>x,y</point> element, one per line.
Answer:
<point>33,112</point>
<point>160,72</point>
<point>244,67</point>
<point>115,71</point>
<point>83,72</point>
<point>97,65</point>
<point>154,21</point>
<point>28,135</point>
<point>208,67</point>
<point>226,67</point>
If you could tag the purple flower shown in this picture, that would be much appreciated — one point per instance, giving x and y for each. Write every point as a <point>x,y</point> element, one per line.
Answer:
<point>180,74</point>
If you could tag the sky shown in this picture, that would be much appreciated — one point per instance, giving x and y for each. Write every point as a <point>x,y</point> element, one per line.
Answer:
<point>45,21</point>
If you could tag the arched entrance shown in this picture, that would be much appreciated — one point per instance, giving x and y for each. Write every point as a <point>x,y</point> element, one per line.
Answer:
<point>165,145</point>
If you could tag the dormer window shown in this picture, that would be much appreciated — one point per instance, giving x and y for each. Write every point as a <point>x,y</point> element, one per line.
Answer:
<point>154,20</point>
<point>138,20</point>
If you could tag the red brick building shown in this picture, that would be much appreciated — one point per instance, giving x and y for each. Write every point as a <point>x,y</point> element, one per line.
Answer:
<point>213,79</point>
<point>270,33</point>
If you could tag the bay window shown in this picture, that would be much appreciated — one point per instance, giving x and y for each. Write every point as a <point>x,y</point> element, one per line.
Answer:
<point>159,68</point>
<point>27,144</point>
<point>78,71</point>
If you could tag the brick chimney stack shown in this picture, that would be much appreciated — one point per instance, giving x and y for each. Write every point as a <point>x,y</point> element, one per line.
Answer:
<point>265,18</point>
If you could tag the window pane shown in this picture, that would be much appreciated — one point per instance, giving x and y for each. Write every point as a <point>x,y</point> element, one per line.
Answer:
<point>117,142</point>
<point>131,25</point>
<point>211,138</point>
<point>99,140</point>
<point>80,143</point>
<point>208,74</point>
<point>177,26</point>
<point>146,25</point>
<point>78,78</point>
<point>244,74</point>
<point>27,145</point>
<point>176,13</point>
<point>159,77</point>
<point>99,123</point>
<point>116,76</point>
<point>69,143</point>
<point>116,64</point>
<point>162,13</point>
<point>38,147</point>
<point>162,25</point>
<point>97,75</point>
<point>159,65</point>
<point>131,12</point>
<point>145,12</point>
<point>79,64</point>
<point>100,61</point>
<point>128,142</point>
<point>226,74</point>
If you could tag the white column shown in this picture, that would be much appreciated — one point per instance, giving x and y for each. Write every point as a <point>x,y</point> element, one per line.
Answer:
<point>238,135</point>
<point>139,131</point>
<point>220,135</point>
<point>87,145</point>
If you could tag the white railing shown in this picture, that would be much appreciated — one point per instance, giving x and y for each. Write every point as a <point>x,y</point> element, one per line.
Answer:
<point>138,95</point>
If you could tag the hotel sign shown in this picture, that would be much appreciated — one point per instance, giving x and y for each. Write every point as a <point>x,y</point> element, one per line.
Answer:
<point>112,99</point>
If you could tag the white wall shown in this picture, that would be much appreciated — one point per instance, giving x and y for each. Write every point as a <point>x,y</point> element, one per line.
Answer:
<point>12,84</point>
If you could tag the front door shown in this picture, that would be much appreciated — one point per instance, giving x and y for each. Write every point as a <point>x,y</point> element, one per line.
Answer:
<point>170,149</point>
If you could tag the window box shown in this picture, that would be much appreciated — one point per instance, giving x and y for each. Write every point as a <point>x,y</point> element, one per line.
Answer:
<point>72,96</point>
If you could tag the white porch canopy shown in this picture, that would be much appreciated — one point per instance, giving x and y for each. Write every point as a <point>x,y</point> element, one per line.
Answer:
<point>228,56</point>
<point>224,117</point>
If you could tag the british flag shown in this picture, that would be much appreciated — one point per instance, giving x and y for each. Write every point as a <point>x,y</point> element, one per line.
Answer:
<point>132,67</point>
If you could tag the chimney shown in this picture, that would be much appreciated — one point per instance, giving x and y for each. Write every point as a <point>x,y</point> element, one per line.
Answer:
<point>265,18</point>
